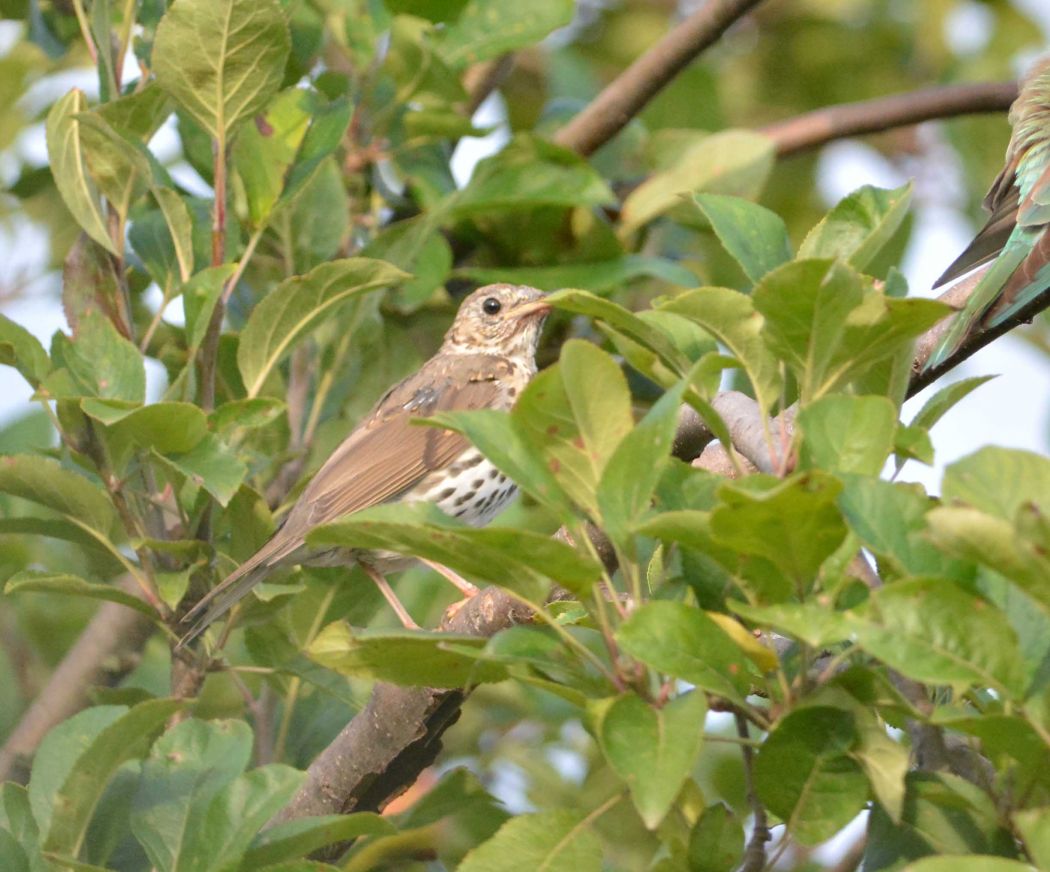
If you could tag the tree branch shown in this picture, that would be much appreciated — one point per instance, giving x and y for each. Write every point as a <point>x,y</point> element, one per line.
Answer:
<point>957,295</point>
<point>821,126</point>
<point>624,97</point>
<point>388,743</point>
<point>106,651</point>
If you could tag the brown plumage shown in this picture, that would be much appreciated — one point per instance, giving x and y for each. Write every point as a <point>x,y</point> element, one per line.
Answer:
<point>487,357</point>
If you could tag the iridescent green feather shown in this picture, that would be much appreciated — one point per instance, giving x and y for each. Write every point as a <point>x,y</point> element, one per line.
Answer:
<point>1016,233</point>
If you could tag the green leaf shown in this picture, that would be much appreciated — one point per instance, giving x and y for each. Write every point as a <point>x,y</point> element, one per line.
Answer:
<point>652,749</point>
<point>236,813</point>
<point>595,276</point>
<point>101,362</point>
<point>890,519</point>
<point>810,622</point>
<point>806,305</point>
<point>885,763</point>
<point>180,226</point>
<point>246,414</point>
<point>735,162</point>
<point>497,436</point>
<point>685,643</point>
<point>935,632</point>
<point>212,466</point>
<point>859,226</point>
<point>186,768</point>
<point>752,522</point>
<point>755,237</point>
<point>22,350</point>
<point>472,38</point>
<point>999,481</point>
<point>842,433</point>
<point>265,151</point>
<point>167,428</point>
<point>519,560</point>
<point>411,657</point>
<point>199,296</point>
<point>297,305</point>
<point>69,169</point>
<point>327,130</point>
<point>119,163</point>
<point>716,841</point>
<point>731,317</point>
<point>43,481</point>
<point>943,400</point>
<point>299,838</point>
<point>805,775</point>
<point>531,172</point>
<point>830,325</point>
<point>627,323</point>
<point>18,825</point>
<point>995,543</point>
<point>942,814</point>
<point>553,840</point>
<point>635,467</point>
<point>1034,826</point>
<point>574,414</point>
<point>72,585</point>
<point>221,60</point>
<point>127,737</point>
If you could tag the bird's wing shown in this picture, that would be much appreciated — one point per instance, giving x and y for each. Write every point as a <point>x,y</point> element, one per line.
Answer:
<point>1002,202</point>
<point>381,459</point>
<point>389,454</point>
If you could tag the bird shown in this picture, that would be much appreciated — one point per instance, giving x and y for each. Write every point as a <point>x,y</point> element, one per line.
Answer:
<point>487,358</point>
<point>1016,235</point>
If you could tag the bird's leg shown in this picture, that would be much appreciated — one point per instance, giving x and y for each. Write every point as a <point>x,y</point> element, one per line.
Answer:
<point>390,596</point>
<point>464,586</point>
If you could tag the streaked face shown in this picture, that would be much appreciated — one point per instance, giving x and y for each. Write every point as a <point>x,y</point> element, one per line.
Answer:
<point>498,319</point>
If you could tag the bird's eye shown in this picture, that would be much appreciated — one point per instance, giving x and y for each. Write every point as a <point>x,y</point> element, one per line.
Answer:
<point>491,306</point>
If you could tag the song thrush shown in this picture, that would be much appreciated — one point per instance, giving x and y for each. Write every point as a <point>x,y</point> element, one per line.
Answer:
<point>487,357</point>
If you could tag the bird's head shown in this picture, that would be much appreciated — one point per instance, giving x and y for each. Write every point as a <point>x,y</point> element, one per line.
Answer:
<point>499,319</point>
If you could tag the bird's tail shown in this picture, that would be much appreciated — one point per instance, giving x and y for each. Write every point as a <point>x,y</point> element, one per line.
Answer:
<point>224,596</point>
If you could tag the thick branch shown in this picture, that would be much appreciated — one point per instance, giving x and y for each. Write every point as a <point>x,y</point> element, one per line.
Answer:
<point>628,93</point>
<point>106,651</point>
<point>382,750</point>
<point>884,113</point>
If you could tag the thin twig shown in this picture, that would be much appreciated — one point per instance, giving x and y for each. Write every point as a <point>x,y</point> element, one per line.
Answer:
<point>626,96</point>
<point>821,126</point>
<point>755,852</point>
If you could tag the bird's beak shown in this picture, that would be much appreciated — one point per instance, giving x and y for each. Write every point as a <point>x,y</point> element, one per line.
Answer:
<point>537,307</point>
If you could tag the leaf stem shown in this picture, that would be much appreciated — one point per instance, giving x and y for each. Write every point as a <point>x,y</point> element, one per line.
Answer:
<point>85,30</point>
<point>210,350</point>
<point>123,40</point>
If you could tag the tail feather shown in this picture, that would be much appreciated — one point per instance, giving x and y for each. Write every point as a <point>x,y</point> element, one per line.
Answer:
<point>220,600</point>
<point>235,587</point>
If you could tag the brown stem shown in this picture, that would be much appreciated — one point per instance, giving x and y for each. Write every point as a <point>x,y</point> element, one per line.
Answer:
<point>755,852</point>
<point>482,79</point>
<point>106,651</point>
<point>821,126</point>
<point>624,97</point>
